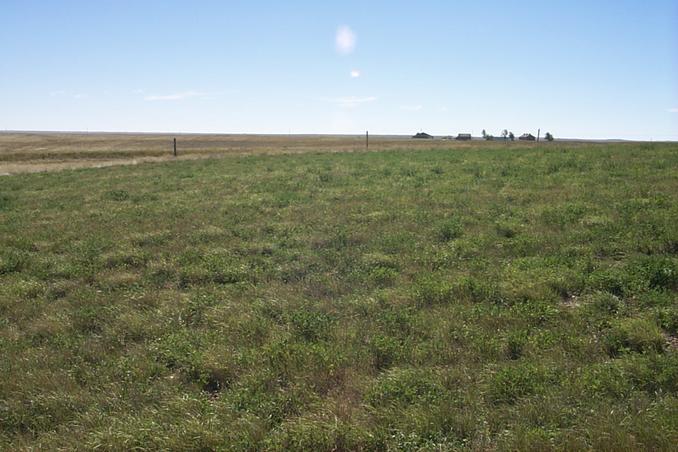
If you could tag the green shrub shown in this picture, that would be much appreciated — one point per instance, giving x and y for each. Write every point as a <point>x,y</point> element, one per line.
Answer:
<point>431,290</point>
<point>667,318</point>
<point>513,382</point>
<point>478,290</point>
<point>506,230</point>
<point>605,303</point>
<point>633,335</point>
<point>385,351</point>
<point>311,325</point>
<point>405,386</point>
<point>117,195</point>
<point>564,214</point>
<point>216,267</point>
<point>11,261</point>
<point>382,276</point>
<point>5,203</point>
<point>515,344</point>
<point>637,276</point>
<point>125,258</point>
<point>604,380</point>
<point>659,272</point>
<point>615,280</point>
<point>618,378</point>
<point>316,433</point>
<point>381,269</point>
<point>450,229</point>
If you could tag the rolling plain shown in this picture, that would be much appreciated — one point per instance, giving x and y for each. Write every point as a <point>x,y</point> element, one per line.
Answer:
<point>302,293</point>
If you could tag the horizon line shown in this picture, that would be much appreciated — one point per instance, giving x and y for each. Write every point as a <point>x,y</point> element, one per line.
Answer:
<point>342,134</point>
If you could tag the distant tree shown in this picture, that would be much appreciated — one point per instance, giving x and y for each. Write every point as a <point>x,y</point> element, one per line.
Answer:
<point>484,133</point>
<point>511,136</point>
<point>548,136</point>
<point>504,133</point>
<point>489,137</point>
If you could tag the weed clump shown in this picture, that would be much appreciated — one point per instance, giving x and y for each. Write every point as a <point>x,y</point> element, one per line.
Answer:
<point>432,290</point>
<point>605,304</point>
<point>5,203</point>
<point>311,325</point>
<point>405,386</point>
<point>385,351</point>
<point>450,229</point>
<point>11,262</point>
<point>633,335</point>
<point>515,344</point>
<point>513,382</point>
<point>117,195</point>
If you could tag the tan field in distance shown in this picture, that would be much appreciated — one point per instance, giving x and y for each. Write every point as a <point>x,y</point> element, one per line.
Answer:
<point>22,152</point>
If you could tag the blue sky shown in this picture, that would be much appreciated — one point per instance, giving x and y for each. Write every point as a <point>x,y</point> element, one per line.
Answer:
<point>590,69</point>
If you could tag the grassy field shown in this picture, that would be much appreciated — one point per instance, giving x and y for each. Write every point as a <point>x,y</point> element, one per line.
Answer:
<point>475,296</point>
<point>23,152</point>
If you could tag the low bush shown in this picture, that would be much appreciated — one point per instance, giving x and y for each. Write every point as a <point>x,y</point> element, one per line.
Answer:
<point>633,335</point>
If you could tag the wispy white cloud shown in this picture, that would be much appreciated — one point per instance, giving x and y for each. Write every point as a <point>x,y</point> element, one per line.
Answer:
<point>443,109</point>
<point>177,96</point>
<point>673,110</point>
<point>345,40</point>
<point>349,101</point>
<point>355,73</point>
<point>189,95</point>
<point>411,107</point>
<point>70,94</point>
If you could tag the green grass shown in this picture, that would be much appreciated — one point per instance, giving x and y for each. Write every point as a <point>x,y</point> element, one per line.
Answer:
<point>483,297</point>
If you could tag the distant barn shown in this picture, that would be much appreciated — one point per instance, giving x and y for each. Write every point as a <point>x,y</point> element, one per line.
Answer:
<point>423,135</point>
<point>527,137</point>
<point>463,136</point>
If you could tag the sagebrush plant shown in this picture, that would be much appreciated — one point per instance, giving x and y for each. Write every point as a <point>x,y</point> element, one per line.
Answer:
<point>483,296</point>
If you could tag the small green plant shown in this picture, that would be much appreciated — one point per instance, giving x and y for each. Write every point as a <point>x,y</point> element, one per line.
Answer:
<point>5,202</point>
<point>450,229</point>
<point>515,344</point>
<point>405,386</point>
<point>514,382</point>
<point>667,318</point>
<point>633,335</point>
<point>432,290</point>
<point>385,351</point>
<point>605,303</point>
<point>506,230</point>
<point>311,325</point>
<point>11,262</point>
<point>118,195</point>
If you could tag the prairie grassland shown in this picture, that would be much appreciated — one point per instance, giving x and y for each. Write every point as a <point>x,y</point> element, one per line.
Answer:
<point>477,296</point>
<point>22,152</point>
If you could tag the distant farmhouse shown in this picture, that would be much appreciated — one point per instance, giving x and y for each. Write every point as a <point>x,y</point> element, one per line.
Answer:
<point>423,135</point>
<point>527,137</point>
<point>463,136</point>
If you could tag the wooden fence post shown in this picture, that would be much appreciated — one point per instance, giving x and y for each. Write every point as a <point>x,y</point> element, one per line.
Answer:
<point>175,147</point>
